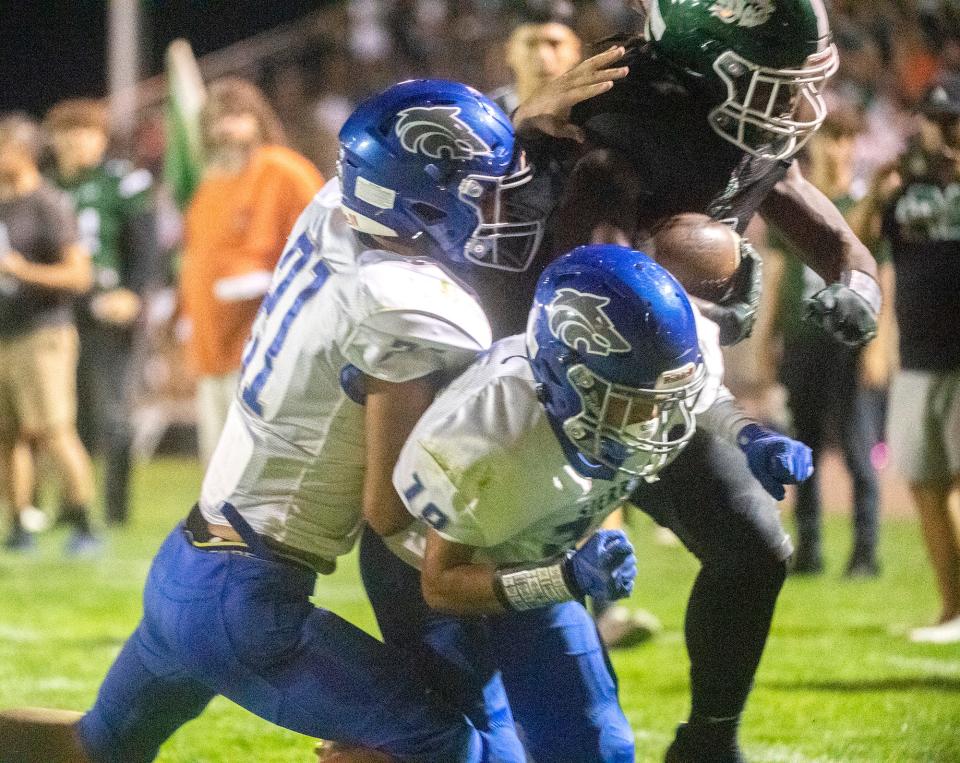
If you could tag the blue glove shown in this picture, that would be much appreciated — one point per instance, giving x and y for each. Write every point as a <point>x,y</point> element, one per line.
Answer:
<point>604,567</point>
<point>775,459</point>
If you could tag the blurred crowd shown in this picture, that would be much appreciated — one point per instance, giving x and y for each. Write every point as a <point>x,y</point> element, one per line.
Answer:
<point>163,281</point>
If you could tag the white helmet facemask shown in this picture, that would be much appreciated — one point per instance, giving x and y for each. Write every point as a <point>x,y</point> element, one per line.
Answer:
<point>499,242</point>
<point>770,112</point>
<point>637,431</point>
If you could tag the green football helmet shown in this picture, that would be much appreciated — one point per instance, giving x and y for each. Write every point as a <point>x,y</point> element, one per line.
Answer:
<point>765,60</point>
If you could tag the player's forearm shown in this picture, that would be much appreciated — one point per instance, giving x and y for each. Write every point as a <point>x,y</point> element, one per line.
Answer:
<point>816,229</point>
<point>725,418</point>
<point>465,589</point>
<point>391,411</point>
<point>385,514</point>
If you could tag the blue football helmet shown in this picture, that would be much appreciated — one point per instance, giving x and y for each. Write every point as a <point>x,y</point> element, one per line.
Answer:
<point>434,163</point>
<point>612,341</point>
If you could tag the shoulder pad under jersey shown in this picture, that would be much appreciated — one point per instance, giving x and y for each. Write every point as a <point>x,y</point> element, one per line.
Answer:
<point>325,229</point>
<point>412,319</point>
<point>708,334</point>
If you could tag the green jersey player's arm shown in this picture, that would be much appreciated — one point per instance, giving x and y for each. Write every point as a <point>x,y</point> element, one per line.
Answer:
<point>812,223</point>
<point>392,410</point>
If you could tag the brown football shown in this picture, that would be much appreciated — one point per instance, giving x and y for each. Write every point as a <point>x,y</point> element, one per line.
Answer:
<point>701,253</point>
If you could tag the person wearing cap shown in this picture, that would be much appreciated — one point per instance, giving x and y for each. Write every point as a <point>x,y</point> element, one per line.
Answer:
<point>917,211</point>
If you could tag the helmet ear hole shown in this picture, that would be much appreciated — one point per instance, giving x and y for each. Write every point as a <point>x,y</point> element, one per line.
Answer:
<point>427,212</point>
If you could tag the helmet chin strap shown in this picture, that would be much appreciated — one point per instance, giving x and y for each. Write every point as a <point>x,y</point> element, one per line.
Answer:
<point>403,247</point>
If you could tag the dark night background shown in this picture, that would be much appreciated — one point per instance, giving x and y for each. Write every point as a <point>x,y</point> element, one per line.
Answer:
<point>50,50</point>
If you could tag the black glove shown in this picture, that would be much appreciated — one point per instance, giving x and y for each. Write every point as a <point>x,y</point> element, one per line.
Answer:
<point>847,311</point>
<point>736,313</point>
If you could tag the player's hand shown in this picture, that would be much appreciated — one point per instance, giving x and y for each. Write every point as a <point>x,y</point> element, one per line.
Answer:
<point>774,459</point>
<point>736,313</point>
<point>591,77</point>
<point>849,315</point>
<point>118,307</point>
<point>605,566</point>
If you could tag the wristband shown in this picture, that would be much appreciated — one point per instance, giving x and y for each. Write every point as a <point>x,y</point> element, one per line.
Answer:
<point>724,418</point>
<point>864,286</point>
<point>752,432</point>
<point>524,587</point>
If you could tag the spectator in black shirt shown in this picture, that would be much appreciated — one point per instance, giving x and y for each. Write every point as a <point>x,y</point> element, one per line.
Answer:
<point>921,221</point>
<point>42,264</point>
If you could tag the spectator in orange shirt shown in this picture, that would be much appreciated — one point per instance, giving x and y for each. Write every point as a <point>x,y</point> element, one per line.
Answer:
<point>252,192</point>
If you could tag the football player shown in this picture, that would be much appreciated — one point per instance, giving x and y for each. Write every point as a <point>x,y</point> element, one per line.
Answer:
<point>356,311</point>
<point>521,457</point>
<point>716,99</point>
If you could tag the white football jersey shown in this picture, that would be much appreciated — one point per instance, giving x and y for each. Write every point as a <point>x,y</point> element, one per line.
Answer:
<point>485,469</point>
<point>291,456</point>
<point>708,336</point>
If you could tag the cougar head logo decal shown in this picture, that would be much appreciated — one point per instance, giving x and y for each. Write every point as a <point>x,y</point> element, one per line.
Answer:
<point>577,319</point>
<point>437,132</point>
<point>745,13</point>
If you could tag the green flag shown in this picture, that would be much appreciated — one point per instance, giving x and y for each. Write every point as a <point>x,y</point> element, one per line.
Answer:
<point>183,161</point>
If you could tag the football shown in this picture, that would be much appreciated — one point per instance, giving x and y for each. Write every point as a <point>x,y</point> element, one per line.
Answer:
<point>700,252</point>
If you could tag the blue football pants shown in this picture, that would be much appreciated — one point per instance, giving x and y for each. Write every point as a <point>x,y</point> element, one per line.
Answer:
<point>242,626</point>
<point>559,683</point>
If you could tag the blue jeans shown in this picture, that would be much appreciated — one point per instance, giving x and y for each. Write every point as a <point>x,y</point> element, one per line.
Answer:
<point>548,664</point>
<point>242,626</point>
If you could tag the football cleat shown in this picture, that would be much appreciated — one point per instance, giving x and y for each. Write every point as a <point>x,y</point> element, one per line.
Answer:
<point>19,540</point>
<point>622,628</point>
<point>705,743</point>
<point>83,545</point>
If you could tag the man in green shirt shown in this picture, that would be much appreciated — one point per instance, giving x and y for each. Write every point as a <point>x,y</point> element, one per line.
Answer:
<point>115,212</point>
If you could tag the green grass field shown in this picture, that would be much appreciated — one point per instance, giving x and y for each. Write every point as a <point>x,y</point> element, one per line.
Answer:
<point>838,682</point>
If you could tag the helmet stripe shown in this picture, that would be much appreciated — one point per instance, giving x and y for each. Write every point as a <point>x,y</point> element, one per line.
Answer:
<point>655,22</point>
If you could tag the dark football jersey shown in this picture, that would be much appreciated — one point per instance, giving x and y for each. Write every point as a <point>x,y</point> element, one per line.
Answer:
<point>656,120</point>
